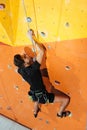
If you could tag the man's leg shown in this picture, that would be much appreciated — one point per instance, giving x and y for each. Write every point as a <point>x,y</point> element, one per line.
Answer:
<point>64,100</point>
<point>36,108</point>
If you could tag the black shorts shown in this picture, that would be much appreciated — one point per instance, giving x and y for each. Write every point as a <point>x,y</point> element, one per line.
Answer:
<point>50,97</point>
<point>43,98</point>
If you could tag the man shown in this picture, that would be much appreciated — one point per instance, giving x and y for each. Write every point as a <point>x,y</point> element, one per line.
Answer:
<point>30,71</point>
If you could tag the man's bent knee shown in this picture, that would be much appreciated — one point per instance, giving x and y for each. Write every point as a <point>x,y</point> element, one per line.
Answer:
<point>67,100</point>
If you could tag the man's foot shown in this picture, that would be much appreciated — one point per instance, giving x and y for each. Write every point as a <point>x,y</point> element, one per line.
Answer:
<point>35,114</point>
<point>64,114</point>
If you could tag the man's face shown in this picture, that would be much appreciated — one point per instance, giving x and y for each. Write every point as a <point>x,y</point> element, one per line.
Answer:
<point>27,59</point>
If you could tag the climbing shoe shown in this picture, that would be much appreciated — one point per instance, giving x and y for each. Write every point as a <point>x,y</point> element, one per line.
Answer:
<point>64,114</point>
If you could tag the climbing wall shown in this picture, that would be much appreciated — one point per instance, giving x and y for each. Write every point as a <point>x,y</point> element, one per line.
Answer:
<point>62,27</point>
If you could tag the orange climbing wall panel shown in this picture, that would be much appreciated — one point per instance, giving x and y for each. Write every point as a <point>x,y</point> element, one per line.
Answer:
<point>62,27</point>
<point>66,63</point>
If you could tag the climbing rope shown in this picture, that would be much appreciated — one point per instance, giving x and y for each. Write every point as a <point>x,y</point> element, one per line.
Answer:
<point>33,43</point>
<point>35,19</point>
<point>26,14</point>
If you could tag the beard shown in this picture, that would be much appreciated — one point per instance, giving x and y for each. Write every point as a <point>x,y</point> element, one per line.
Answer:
<point>30,61</point>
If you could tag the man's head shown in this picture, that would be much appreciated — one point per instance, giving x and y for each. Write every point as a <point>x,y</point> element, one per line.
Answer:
<point>22,60</point>
<point>18,61</point>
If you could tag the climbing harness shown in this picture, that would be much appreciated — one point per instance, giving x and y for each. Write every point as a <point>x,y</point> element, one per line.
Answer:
<point>40,96</point>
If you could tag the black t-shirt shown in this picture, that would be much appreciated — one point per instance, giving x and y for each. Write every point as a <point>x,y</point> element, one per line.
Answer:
<point>33,76</point>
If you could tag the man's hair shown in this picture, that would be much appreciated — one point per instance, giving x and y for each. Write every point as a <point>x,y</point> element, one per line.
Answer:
<point>18,61</point>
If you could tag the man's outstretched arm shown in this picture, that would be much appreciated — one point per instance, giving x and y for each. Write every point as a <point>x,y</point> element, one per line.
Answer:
<point>37,46</point>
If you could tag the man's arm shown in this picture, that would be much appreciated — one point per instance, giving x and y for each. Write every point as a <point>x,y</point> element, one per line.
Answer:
<point>37,46</point>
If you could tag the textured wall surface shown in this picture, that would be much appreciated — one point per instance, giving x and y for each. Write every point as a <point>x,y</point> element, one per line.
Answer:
<point>62,27</point>
<point>61,20</point>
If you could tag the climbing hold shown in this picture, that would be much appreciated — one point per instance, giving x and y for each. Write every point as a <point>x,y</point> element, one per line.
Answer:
<point>82,10</point>
<point>68,93</point>
<point>81,26</point>
<point>9,66</point>
<point>49,47</point>
<point>67,68</point>
<point>67,24</point>
<point>55,129</point>
<point>16,87</point>
<point>29,19</point>
<point>57,82</point>
<point>2,6</point>
<point>52,8</point>
<point>40,119</point>
<point>47,122</point>
<point>21,101</point>
<point>8,108</point>
<point>43,34</point>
